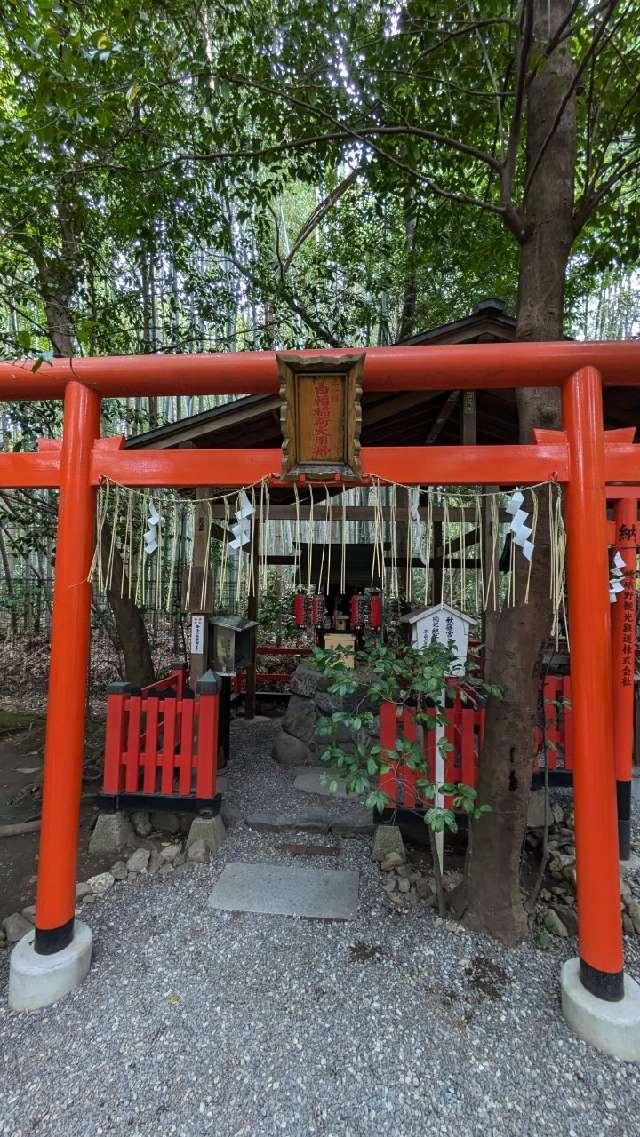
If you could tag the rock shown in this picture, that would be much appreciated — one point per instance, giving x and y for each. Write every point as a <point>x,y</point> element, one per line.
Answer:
<point>180,859</point>
<point>289,751</point>
<point>15,927</point>
<point>390,884</point>
<point>165,868</point>
<point>422,888</point>
<point>388,841</point>
<point>209,830</point>
<point>627,925</point>
<point>633,909</point>
<point>169,853</point>
<point>155,861</point>
<point>119,871</point>
<point>165,822</point>
<point>141,823</point>
<point>569,918</point>
<point>198,852</point>
<point>89,899</point>
<point>553,924</point>
<point>29,913</point>
<point>626,893</point>
<point>535,810</point>
<point>390,862</point>
<point>557,813</point>
<point>306,682</point>
<point>112,833</point>
<point>405,871</point>
<point>404,885</point>
<point>300,719</point>
<point>101,883</point>
<point>138,861</point>
<point>83,888</point>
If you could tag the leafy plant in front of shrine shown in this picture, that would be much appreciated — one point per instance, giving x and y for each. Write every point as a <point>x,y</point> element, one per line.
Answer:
<point>408,677</point>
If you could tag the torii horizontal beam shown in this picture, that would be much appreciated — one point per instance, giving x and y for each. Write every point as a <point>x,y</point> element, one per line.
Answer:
<point>411,465</point>
<point>443,367</point>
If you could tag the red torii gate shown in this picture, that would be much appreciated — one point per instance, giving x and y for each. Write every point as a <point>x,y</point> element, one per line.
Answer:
<point>583,457</point>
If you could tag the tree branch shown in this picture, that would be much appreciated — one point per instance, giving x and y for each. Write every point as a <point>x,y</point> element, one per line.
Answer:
<point>587,206</point>
<point>321,210</point>
<point>509,166</point>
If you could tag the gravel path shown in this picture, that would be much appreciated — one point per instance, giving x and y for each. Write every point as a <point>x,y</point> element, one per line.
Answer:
<point>193,1021</point>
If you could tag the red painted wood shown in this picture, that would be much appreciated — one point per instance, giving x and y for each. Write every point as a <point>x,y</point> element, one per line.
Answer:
<point>132,753</point>
<point>388,743</point>
<point>441,367</point>
<point>185,757</point>
<point>468,722</point>
<point>150,756</point>
<point>568,724</point>
<point>206,762</point>
<point>409,777</point>
<point>114,744</point>
<point>167,760</point>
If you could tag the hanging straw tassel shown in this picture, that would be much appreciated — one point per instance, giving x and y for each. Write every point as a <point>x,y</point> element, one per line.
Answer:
<point>205,559</point>
<point>174,554</point>
<point>343,549</point>
<point>324,542</point>
<point>479,572</point>
<point>296,551</point>
<point>429,546</point>
<point>224,556</point>
<point>310,541</point>
<point>535,508</point>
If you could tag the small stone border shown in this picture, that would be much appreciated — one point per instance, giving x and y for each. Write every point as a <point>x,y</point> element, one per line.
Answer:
<point>142,862</point>
<point>555,915</point>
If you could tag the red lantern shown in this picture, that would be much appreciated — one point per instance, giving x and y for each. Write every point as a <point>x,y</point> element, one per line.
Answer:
<point>299,610</point>
<point>376,611</point>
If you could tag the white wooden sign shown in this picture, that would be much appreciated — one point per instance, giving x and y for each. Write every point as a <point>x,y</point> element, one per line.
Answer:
<point>444,625</point>
<point>197,635</point>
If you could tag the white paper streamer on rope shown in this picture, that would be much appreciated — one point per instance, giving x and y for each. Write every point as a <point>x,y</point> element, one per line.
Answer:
<point>518,527</point>
<point>615,580</point>
<point>242,528</point>
<point>151,532</point>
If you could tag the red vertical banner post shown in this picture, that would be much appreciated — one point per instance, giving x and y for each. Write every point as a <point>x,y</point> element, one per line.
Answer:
<point>596,830</point>
<point>70,631</point>
<point>623,640</point>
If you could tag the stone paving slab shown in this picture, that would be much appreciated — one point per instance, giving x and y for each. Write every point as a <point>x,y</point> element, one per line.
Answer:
<point>280,890</point>
<point>310,781</point>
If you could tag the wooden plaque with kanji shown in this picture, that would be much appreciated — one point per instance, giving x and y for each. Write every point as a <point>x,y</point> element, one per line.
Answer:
<point>321,415</point>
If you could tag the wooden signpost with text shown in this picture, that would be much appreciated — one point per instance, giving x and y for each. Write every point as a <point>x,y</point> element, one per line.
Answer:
<point>321,415</point>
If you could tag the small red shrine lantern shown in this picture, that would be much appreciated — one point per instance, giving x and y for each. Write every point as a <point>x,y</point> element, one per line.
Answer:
<point>366,611</point>
<point>308,611</point>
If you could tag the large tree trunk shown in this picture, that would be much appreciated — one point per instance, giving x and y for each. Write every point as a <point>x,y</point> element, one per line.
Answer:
<point>132,633</point>
<point>493,882</point>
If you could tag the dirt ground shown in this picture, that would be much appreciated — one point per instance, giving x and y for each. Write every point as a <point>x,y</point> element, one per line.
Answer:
<point>21,749</point>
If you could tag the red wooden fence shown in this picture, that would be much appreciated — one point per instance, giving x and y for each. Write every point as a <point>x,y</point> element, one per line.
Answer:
<point>270,677</point>
<point>464,732</point>
<point>162,745</point>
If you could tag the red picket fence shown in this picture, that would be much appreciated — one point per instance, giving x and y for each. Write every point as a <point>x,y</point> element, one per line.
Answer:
<point>464,732</point>
<point>161,744</point>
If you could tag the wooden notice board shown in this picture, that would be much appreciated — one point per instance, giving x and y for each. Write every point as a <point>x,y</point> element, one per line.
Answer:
<point>321,415</point>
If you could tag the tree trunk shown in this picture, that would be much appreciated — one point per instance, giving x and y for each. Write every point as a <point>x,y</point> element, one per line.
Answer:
<point>130,627</point>
<point>494,897</point>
